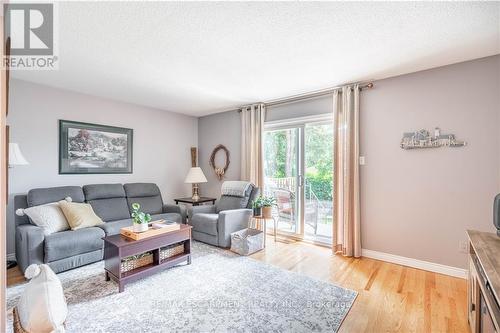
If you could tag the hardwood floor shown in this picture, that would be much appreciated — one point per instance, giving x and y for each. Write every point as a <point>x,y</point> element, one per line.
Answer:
<point>392,298</point>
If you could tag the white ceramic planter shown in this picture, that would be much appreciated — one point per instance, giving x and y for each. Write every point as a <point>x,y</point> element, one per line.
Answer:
<point>140,227</point>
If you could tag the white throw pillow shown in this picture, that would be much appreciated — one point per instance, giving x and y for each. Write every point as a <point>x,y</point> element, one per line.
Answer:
<point>42,306</point>
<point>49,217</point>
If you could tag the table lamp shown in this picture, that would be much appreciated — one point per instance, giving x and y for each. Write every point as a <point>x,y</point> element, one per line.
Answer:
<point>15,155</point>
<point>195,176</point>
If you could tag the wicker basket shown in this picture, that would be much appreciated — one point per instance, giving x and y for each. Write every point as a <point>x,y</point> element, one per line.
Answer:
<point>134,262</point>
<point>247,241</point>
<point>171,251</point>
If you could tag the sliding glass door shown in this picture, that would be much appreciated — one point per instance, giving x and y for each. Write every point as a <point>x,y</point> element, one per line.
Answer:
<point>298,171</point>
<point>318,181</point>
<point>281,170</point>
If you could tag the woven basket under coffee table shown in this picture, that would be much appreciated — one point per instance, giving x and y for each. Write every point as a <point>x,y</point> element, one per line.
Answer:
<point>127,260</point>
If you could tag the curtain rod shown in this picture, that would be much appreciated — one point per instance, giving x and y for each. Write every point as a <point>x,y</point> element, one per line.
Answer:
<point>310,95</point>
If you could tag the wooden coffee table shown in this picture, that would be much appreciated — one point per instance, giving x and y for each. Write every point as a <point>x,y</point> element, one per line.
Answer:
<point>118,247</point>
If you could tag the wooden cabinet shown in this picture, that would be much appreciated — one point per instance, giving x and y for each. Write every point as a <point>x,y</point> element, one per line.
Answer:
<point>483,285</point>
<point>473,297</point>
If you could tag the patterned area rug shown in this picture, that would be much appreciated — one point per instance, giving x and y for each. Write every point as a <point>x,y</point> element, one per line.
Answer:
<point>218,292</point>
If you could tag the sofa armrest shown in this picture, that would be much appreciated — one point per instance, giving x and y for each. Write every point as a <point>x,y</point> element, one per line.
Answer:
<point>181,210</point>
<point>203,209</point>
<point>231,221</point>
<point>29,245</point>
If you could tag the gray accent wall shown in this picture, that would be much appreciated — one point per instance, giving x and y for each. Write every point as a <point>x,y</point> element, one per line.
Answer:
<point>419,203</point>
<point>162,141</point>
<point>221,128</point>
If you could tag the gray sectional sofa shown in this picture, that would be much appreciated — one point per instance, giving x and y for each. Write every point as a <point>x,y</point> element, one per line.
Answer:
<point>69,249</point>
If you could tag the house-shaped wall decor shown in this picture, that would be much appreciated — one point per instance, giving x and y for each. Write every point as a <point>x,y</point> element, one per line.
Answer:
<point>423,139</point>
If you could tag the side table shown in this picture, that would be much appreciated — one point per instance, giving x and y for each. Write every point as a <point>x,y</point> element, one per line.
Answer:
<point>260,223</point>
<point>195,202</point>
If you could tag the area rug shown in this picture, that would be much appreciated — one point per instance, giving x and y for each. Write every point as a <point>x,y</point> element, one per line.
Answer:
<point>218,292</point>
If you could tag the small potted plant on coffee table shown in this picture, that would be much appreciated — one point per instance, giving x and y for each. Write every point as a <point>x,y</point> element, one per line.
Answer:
<point>140,219</point>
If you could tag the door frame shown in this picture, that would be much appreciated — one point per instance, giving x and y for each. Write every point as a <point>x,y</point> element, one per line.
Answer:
<point>299,123</point>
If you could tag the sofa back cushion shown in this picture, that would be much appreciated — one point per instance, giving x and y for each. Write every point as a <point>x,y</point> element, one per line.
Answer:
<point>108,201</point>
<point>41,196</point>
<point>228,202</point>
<point>145,194</point>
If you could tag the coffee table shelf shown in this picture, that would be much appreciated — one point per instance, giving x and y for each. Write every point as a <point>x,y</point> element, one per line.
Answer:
<point>118,247</point>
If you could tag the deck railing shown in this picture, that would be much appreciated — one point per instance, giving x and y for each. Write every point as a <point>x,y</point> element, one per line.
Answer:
<point>314,206</point>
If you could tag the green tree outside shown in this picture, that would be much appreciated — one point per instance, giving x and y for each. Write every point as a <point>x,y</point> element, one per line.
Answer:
<point>280,157</point>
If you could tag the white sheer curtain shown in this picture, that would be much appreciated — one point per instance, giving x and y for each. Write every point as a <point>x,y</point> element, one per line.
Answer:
<point>252,159</point>
<point>346,205</point>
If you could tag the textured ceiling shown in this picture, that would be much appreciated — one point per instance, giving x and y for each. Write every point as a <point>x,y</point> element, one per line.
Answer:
<point>199,58</point>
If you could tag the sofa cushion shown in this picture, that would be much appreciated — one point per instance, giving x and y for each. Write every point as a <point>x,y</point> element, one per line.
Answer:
<point>113,227</point>
<point>108,201</point>
<point>227,202</point>
<point>150,205</point>
<point>167,216</point>
<point>49,217</point>
<point>141,190</point>
<point>205,223</point>
<point>70,243</point>
<point>79,215</point>
<point>111,209</point>
<point>103,191</point>
<point>40,196</point>
<point>145,194</point>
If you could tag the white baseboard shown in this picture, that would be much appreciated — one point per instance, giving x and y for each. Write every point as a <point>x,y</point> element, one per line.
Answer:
<point>415,263</point>
<point>11,256</point>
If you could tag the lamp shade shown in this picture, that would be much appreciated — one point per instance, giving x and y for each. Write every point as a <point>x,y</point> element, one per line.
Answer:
<point>195,175</point>
<point>15,155</point>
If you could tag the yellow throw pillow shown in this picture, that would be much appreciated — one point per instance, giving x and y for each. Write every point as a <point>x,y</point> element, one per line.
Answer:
<point>79,215</point>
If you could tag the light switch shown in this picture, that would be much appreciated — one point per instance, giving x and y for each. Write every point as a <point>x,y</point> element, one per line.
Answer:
<point>361,160</point>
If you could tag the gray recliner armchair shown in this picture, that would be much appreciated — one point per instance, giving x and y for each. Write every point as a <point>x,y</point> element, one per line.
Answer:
<point>213,224</point>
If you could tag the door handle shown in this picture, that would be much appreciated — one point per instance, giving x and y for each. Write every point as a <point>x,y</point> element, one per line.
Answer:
<point>301,181</point>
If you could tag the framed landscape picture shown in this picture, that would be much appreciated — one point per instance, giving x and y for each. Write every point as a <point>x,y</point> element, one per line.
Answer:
<point>91,148</point>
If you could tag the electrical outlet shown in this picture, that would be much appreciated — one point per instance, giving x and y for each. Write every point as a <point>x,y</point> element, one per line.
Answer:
<point>361,160</point>
<point>463,247</point>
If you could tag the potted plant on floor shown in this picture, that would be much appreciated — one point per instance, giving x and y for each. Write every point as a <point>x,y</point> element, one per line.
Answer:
<point>140,219</point>
<point>257,206</point>
<point>267,206</point>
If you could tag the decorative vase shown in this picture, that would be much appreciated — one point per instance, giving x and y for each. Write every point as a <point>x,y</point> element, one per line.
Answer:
<point>257,211</point>
<point>267,212</point>
<point>140,227</point>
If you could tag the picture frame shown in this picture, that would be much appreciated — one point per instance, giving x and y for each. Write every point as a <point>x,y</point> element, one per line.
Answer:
<point>86,148</point>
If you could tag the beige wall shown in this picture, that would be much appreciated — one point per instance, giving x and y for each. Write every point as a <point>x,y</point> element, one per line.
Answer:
<point>162,141</point>
<point>419,203</point>
<point>416,204</point>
